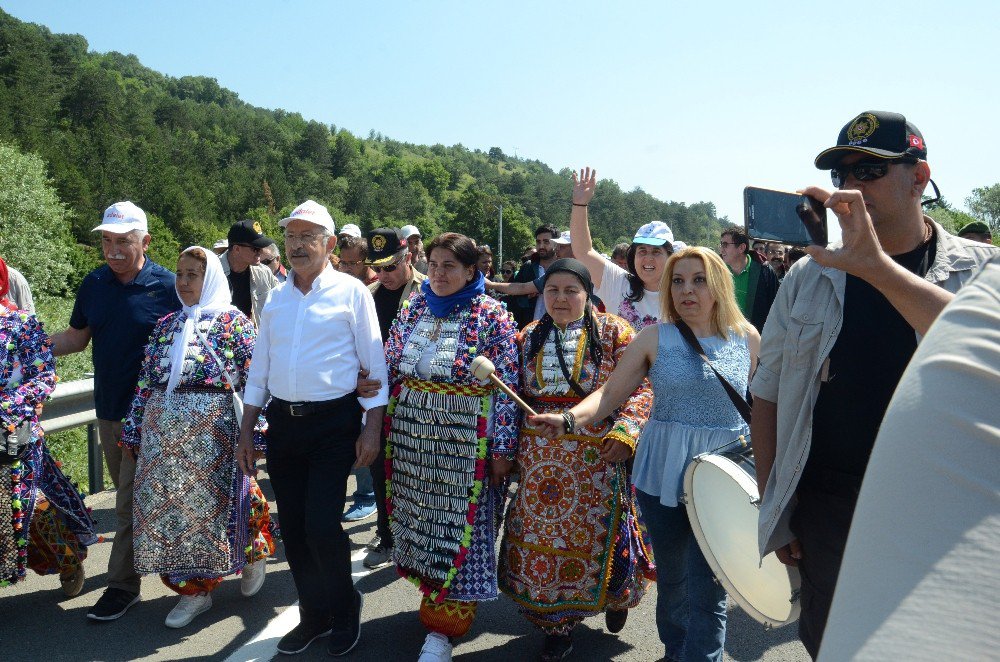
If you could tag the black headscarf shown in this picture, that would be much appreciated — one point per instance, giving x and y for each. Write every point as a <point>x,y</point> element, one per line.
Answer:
<point>546,324</point>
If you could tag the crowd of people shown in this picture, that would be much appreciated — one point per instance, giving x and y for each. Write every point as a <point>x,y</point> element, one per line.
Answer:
<point>522,431</point>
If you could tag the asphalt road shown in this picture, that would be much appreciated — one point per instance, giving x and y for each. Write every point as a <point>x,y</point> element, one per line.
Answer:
<point>39,623</point>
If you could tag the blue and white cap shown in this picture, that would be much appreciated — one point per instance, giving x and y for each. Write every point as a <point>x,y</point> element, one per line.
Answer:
<point>656,233</point>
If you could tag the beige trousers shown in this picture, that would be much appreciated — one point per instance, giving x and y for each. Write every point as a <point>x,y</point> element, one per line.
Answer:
<point>121,465</point>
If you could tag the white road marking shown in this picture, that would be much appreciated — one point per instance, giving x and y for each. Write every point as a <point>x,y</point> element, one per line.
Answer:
<point>265,645</point>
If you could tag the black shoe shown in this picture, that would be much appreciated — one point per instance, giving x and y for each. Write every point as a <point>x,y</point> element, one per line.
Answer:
<point>300,636</point>
<point>615,619</point>
<point>346,629</point>
<point>557,647</point>
<point>113,604</point>
<point>375,542</point>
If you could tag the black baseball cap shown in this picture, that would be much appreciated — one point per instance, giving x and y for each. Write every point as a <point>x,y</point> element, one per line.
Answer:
<point>384,244</point>
<point>249,233</point>
<point>877,133</point>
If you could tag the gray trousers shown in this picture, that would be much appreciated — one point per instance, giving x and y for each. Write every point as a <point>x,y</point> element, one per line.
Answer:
<point>121,466</point>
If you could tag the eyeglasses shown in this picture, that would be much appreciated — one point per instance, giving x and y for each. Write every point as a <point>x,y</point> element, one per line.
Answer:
<point>389,268</point>
<point>307,238</point>
<point>723,244</point>
<point>269,261</point>
<point>351,263</point>
<point>864,171</point>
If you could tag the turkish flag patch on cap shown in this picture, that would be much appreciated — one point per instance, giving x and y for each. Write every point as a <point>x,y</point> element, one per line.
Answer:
<point>916,141</point>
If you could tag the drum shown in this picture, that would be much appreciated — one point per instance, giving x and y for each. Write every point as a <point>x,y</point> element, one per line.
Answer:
<point>720,493</point>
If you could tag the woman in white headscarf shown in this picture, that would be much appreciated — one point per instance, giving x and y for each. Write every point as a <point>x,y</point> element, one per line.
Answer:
<point>197,517</point>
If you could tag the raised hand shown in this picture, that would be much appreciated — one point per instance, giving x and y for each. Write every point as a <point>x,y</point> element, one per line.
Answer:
<point>584,186</point>
<point>860,255</point>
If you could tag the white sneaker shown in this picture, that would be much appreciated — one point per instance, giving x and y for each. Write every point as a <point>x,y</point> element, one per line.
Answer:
<point>252,578</point>
<point>436,648</point>
<point>188,607</point>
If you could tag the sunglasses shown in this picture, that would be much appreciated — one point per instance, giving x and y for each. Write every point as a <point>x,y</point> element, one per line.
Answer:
<point>506,272</point>
<point>864,171</point>
<point>269,261</point>
<point>253,248</point>
<point>389,268</point>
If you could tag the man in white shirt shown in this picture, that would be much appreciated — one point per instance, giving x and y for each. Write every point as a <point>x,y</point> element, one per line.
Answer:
<point>317,330</point>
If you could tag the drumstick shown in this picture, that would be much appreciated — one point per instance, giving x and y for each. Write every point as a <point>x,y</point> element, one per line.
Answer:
<point>483,369</point>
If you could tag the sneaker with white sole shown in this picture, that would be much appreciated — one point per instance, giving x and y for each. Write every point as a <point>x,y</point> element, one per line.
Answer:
<point>188,607</point>
<point>252,578</point>
<point>436,648</point>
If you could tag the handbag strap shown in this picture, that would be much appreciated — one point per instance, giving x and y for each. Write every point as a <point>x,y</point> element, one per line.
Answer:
<point>575,385</point>
<point>222,366</point>
<point>739,401</point>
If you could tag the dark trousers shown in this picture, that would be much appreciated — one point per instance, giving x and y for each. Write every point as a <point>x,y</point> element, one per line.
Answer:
<point>378,477</point>
<point>821,522</point>
<point>308,461</point>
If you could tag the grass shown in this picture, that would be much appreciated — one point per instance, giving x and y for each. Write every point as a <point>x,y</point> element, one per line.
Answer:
<point>69,446</point>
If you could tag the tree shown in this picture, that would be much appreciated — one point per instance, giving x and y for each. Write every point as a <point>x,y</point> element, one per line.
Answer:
<point>34,224</point>
<point>985,203</point>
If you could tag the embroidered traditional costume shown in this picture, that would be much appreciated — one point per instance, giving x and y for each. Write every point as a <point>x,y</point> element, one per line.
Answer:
<point>44,523</point>
<point>443,427</point>
<point>197,517</point>
<point>572,545</point>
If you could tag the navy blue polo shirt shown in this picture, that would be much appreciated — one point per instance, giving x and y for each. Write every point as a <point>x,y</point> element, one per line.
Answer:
<point>121,317</point>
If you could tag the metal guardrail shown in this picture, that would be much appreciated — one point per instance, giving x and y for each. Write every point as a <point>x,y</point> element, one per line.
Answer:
<point>69,406</point>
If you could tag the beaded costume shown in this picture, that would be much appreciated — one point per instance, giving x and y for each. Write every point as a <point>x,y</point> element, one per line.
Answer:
<point>443,426</point>
<point>573,546</point>
<point>44,523</point>
<point>197,517</point>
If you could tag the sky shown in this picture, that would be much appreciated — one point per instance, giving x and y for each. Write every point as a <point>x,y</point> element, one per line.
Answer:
<point>689,101</point>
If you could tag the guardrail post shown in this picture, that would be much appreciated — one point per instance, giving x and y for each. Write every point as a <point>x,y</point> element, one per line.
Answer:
<point>95,460</point>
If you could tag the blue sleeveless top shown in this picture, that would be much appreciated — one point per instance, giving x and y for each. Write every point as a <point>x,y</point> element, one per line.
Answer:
<point>691,412</point>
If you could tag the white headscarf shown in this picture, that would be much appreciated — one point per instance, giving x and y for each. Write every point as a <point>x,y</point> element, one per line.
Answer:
<point>215,298</point>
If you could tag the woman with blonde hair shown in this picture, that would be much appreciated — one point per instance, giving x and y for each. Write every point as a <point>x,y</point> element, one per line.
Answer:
<point>692,414</point>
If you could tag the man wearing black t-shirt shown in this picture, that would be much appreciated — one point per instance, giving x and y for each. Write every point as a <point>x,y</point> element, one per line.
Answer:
<point>397,280</point>
<point>249,281</point>
<point>839,335</point>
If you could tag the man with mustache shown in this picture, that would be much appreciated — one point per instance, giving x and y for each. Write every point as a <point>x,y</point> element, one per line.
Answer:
<point>117,305</point>
<point>529,308</point>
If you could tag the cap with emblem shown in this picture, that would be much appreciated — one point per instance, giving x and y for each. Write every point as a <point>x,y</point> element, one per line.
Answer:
<point>123,217</point>
<point>656,233</point>
<point>311,212</point>
<point>876,133</point>
<point>247,233</point>
<point>350,229</point>
<point>384,244</point>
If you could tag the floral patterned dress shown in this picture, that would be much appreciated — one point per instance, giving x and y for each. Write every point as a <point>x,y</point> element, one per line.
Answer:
<point>197,517</point>
<point>44,523</point>
<point>573,546</point>
<point>443,425</point>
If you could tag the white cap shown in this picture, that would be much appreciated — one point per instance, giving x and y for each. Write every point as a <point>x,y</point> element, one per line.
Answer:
<point>123,217</point>
<point>222,243</point>
<point>562,239</point>
<point>678,245</point>
<point>350,229</point>
<point>409,230</point>
<point>656,233</point>
<point>311,212</point>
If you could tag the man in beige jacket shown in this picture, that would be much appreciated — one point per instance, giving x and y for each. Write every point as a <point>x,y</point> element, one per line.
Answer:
<point>249,281</point>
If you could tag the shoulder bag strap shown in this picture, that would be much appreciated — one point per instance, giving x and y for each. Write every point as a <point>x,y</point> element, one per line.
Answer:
<point>738,400</point>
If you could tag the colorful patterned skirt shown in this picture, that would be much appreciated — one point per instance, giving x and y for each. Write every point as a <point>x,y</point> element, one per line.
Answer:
<point>572,545</point>
<point>192,504</point>
<point>444,516</point>
<point>44,523</point>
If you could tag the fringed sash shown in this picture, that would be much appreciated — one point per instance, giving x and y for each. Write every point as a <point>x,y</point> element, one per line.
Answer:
<point>435,467</point>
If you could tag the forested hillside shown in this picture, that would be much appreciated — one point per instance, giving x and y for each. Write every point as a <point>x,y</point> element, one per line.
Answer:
<point>197,158</point>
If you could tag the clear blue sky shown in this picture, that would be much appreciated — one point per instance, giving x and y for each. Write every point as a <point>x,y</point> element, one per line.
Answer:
<point>690,101</point>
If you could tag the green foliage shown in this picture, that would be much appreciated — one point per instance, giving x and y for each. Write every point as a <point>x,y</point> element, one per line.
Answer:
<point>196,158</point>
<point>985,204</point>
<point>951,219</point>
<point>34,224</point>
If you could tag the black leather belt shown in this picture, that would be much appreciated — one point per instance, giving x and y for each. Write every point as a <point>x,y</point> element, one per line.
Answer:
<point>307,408</point>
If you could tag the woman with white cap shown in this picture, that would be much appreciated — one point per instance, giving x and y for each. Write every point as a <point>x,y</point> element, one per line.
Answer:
<point>633,293</point>
<point>197,517</point>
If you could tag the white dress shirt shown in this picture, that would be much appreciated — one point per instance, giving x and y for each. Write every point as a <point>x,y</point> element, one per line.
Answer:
<point>311,346</point>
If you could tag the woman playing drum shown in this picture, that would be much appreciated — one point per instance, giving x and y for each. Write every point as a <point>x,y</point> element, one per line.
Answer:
<point>691,415</point>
